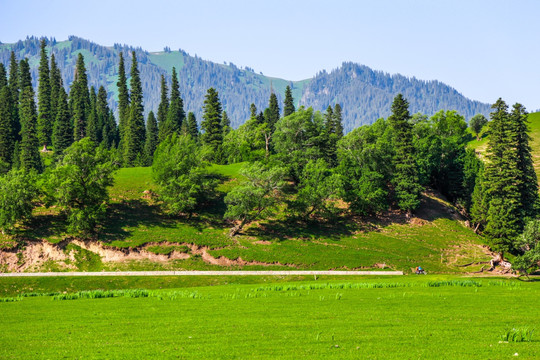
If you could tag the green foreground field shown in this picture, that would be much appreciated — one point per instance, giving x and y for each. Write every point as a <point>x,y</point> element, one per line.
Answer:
<point>411,317</point>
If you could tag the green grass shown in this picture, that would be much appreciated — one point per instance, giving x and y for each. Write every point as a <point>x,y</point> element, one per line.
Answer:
<point>391,318</point>
<point>166,61</point>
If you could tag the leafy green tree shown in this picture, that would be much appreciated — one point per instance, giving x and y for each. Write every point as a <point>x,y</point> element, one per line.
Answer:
<point>56,84</point>
<point>256,197</point>
<point>181,175</point>
<point>62,131</point>
<point>17,193</point>
<point>472,168</point>
<point>405,179</point>
<point>45,121</point>
<point>288,104</point>
<point>193,128</point>
<point>247,143</point>
<point>123,100</point>
<point>528,244</point>
<point>318,191</point>
<point>78,185</point>
<point>80,99</point>
<point>212,136</point>
<point>365,164</point>
<point>297,139</point>
<point>477,123</point>
<point>135,129</point>
<point>151,138</point>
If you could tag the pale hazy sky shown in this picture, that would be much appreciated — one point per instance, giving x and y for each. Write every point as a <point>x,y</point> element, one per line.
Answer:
<point>485,49</point>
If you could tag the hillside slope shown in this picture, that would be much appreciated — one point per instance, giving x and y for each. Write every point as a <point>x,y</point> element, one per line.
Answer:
<point>137,236</point>
<point>365,94</point>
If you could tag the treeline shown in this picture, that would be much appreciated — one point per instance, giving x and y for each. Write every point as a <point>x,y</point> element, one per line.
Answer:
<point>299,165</point>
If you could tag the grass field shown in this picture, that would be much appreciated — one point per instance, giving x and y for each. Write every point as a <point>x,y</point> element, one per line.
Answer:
<point>371,318</point>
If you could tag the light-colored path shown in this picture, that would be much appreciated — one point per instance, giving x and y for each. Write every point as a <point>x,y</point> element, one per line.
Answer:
<point>203,273</point>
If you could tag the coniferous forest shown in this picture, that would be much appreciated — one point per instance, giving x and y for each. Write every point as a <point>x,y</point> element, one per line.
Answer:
<point>61,148</point>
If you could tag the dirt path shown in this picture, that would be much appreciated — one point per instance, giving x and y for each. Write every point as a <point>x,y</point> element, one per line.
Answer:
<point>202,273</point>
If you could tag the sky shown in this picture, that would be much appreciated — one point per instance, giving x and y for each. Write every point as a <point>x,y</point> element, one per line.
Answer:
<point>484,49</point>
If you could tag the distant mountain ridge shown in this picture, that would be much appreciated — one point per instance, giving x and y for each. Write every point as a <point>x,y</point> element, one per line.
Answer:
<point>364,94</point>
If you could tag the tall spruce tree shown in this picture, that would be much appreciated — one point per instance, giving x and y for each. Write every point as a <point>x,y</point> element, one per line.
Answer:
<point>502,181</point>
<point>175,113</point>
<point>56,84</point>
<point>93,128</point>
<point>29,147</point>
<point>80,100</point>
<point>108,128</point>
<point>338,121</point>
<point>253,111</point>
<point>288,104</point>
<point>13,84</point>
<point>3,76</point>
<point>135,129</point>
<point>211,125</point>
<point>123,99</point>
<point>151,138</point>
<point>192,126</point>
<point>163,108</point>
<point>45,121</point>
<point>62,131</point>
<point>405,178</point>
<point>272,115</point>
<point>7,142</point>
<point>225,123</point>
<point>527,176</point>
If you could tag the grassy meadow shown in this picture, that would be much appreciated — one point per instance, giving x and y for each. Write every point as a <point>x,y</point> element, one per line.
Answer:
<point>435,317</point>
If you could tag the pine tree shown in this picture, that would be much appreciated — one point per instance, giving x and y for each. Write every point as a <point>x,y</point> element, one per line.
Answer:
<point>288,104</point>
<point>107,128</point>
<point>25,78</point>
<point>7,141</point>
<point>225,123</point>
<point>3,77</point>
<point>135,129</point>
<point>211,124</point>
<point>253,110</point>
<point>93,127</point>
<point>29,153</point>
<point>151,138</point>
<point>329,138</point>
<point>123,99</point>
<point>56,84</point>
<point>80,100</point>
<point>175,114</point>
<point>528,180</point>
<point>405,178</point>
<point>45,121</point>
<point>272,115</point>
<point>192,126</point>
<point>13,84</point>
<point>502,181</point>
<point>338,121</point>
<point>62,131</point>
<point>163,108</point>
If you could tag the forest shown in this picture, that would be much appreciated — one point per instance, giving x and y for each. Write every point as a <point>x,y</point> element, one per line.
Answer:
<point>62,150</point>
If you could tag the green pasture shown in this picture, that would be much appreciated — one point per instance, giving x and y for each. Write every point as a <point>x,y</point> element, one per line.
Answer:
<point>411,317</point>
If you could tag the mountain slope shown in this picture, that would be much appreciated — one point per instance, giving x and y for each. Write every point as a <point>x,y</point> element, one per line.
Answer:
<point>364,94</point>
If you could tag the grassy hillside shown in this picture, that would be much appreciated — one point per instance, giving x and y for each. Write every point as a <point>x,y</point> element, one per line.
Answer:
<point>392,318</point>
<point>138,236</point>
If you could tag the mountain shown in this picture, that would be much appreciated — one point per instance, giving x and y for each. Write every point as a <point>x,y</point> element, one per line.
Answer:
<point>365,94</point>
